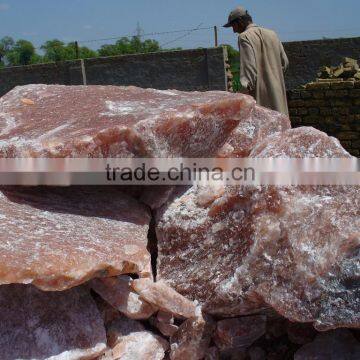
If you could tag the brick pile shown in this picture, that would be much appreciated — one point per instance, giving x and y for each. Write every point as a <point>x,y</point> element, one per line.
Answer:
<point>331,105</point>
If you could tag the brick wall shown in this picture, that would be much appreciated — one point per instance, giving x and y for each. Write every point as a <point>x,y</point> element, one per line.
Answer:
<point>200,69</point>
<point>330,106</point>
<point>306,57</point>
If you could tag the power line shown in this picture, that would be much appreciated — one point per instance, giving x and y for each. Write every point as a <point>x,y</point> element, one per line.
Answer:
<point>181,37</point>
<point>198,28</point>
<point>148,34</point>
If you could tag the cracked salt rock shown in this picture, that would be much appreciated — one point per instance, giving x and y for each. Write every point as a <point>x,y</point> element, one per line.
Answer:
<point>116,121</point>
<point>129,340</point>
<point>192,339</point>
<point>292,248</point>
<point>239,332</point>
<point>197,252</point>
<point>57,238</point>
<point>332,345</point>
<point>162,296</point>
<point>261,123</point>
<point>49,325</point>
<point>118,293</point>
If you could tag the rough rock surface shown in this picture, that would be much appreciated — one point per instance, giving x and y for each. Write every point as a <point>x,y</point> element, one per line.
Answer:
<point>192,340</point>
<point>261,123</point>
<point>332,345</point>
<point>118,293</point>
<point>164,297</point>
<point>239,332</point>
<point>57,238</point>
<point>129,340</point>
<point>295,248</point>
<point>114,121</point>
<point>42,325</point>
<point>164,322</point>
<point>303,142</point>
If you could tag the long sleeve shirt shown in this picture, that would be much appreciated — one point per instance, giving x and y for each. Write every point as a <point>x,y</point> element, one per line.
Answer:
<point>263,62</point>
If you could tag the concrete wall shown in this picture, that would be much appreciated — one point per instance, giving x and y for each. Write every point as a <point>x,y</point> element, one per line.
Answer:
<point>306,57</point>
<point>332,107</point>
<point>201,69</point>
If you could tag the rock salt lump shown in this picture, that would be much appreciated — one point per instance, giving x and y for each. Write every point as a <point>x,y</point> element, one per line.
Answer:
<point>164,322</point>
<point>164,297</point>
<point>49,325</point>
<point>192,340</point>
<point>129,340</point>
<point>197,252</point>
<point>304,254</point>
<point>261,123</point>
<point>57,238</point>
<point>117,292</point>
<point>115,121</point>
<point>295,248</point>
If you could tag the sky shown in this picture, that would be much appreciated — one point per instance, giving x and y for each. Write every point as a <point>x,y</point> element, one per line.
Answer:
<point>84,20</point>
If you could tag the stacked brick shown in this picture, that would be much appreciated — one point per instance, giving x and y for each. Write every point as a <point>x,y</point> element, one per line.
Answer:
<point>332,106</point>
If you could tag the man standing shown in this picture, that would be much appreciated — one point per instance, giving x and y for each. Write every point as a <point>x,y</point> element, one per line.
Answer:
<point>262,61</point>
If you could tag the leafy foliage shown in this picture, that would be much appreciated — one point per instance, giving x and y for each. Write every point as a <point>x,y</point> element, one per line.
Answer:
<point>56,50</point>
<point>23,52</point>
<point>129,46</point>
<point>234,61</point>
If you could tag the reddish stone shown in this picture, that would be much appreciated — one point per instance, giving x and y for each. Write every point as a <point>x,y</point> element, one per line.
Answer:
<point>119,294</point>
<point>239,332</point>
<point>129,340</point>
<point>165,298</point>
<point>164,322</point>
<point>261,123</point>
<point>293,248</point>
<point>303,142</point>
<point>57,238</point>
<point>44,325</point>
<point>116,121</point>
<point>192,339</point>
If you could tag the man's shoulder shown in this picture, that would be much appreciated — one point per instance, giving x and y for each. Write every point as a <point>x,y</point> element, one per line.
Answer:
<point>253,32</point>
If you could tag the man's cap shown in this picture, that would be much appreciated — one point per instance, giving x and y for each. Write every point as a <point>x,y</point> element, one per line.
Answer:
<point>236,14</point>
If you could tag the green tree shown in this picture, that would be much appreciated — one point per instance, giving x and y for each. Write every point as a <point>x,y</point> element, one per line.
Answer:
<point>129,46</point>
<point>6,43</point>
<point>56,50</point>
<point>22,53</point>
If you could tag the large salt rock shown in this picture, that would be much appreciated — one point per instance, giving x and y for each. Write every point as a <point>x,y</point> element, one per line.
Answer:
<point>294,248</point>
<point>49,325</point>
<point>57,238</point>
<point>129,340</point>
<point>261,123</point>
<point>303,142</point>
<point>114,121</point>
<point>118,293</point>
<point>197,252</point>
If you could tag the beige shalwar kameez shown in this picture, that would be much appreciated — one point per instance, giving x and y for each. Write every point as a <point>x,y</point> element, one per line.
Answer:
<point>263,62</point>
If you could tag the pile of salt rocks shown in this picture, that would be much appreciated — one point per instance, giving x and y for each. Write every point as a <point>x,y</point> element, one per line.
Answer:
<point>216,272</point>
